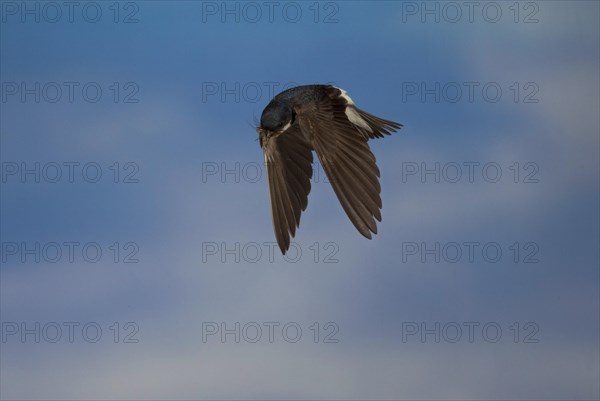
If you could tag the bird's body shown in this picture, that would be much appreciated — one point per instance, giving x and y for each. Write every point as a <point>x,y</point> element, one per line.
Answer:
<point>322,118</point>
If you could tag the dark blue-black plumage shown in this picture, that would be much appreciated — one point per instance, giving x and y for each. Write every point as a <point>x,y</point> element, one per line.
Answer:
<point>322,118</point>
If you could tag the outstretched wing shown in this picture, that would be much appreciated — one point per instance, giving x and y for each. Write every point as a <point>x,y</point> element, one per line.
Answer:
<point>288,160</point>
<point>339,132</point>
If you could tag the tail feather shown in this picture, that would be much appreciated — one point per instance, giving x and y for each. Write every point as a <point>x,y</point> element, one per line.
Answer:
<point>380,127</point>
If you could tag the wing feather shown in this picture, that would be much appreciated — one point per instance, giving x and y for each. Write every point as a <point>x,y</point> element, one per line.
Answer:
<point>342,148</point>
<point>288,159</point>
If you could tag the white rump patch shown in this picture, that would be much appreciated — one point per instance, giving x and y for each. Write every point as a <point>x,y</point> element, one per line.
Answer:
<point>351,112</point>
<point>356,119</point>
<point>345,96</point>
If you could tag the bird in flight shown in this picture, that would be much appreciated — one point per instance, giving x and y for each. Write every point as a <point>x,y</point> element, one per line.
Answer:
<point>322,118</point>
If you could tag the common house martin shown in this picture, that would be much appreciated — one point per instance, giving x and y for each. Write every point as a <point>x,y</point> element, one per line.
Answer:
<point>322,118</point>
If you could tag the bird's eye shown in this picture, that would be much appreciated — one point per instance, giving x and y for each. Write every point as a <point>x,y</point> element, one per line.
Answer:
<point>280,124</point>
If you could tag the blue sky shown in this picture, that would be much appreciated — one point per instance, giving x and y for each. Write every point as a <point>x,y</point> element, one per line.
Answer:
<point>181,89</point>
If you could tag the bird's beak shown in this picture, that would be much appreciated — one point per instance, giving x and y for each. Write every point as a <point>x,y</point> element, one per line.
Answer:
<point>265,132</point>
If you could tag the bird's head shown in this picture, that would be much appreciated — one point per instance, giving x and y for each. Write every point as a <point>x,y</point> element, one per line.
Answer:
<point>276,117</point>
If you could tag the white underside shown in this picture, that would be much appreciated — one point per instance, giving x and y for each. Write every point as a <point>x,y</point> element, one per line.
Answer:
<point>288,125</point>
